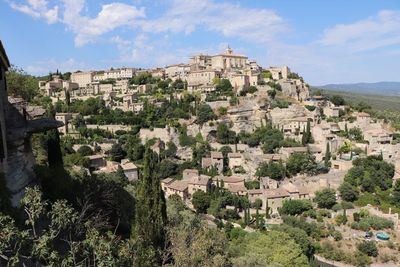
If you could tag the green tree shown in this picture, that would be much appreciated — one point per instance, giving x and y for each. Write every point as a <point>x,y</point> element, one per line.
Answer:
<point>205,114</point>
<point>396,193</point>
<point>224,135</point>
<point>54,154</point>
<point>85,150</point>
<point>325,198</point>
<point>21,84</point>
<point>348,192</point>
<point>150,214</point>
<point>337,100</point>
<point>295,207</point>
<point>116,152</point>
<point>300,163</point>
<point>327,157</point>
<point>201,201</point>
<point>271,249</point>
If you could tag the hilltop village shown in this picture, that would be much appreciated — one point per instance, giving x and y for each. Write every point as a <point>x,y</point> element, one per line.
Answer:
<point>247,148</point>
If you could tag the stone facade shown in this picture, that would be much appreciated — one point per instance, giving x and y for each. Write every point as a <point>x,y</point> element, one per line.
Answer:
<point>16,158</point>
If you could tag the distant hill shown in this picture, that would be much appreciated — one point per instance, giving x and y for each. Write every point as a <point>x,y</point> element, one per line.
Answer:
<point>378,88</point>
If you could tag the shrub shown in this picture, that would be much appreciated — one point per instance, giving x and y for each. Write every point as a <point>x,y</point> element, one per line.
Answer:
<point>295,207</point>
<point>325,198</point>
<point>368,247</point>
<point>374,222</point>
<point>341,219</point>
<point>337,235</point>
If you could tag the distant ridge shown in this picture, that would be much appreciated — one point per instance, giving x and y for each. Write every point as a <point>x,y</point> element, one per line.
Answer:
<point>378,88</point>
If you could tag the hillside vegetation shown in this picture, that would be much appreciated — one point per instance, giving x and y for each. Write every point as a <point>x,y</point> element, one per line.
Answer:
<point>380,106</point>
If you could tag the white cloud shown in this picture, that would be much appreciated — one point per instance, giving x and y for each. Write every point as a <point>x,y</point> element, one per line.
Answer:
<point>249,24</point>
<point>87,29</point>
<point>110,17</point>
<point>51,65</point>
<point>38,9</point>
<point>374,32</point>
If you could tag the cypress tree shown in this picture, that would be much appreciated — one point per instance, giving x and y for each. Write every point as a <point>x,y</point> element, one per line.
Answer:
<point>309,135</point>
<point>327,155</point>
<point>257,219</point>
<point>54,154</point>
<point>304,137</point>
<point>150,214</point>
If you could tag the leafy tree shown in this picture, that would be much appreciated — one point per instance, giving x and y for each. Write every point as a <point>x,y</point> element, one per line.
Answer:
<point>224,135</point>
<point>224,86</point>
<point>325,198</point>
<point>116,152</point>
<point>396,193</point>
<point>171,150</point>
<point>21,84</point>
<point>274,170</point>
<point>85,150</point>
<point>369,173</point>
<point>368,247</point>
<point>348,192</point>
<point>295,207</point>
<point>300,163</point>
<point>273,248</point>
<point>205,114</point>
<point>150,214</point>
<point>192,243</point>
<point>356,134</point>
<point>299,236</point>
<point>337,100</point>
<point>201,201</point>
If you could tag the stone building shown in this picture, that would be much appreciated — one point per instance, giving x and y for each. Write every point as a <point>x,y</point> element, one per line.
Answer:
<point>82,78</point>
<point>228,61</point>
<point>279,73</point>
<point>16,128</point>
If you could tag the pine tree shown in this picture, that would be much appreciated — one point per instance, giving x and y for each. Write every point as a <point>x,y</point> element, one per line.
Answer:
<point>327,156</point>
<point>150,214</point>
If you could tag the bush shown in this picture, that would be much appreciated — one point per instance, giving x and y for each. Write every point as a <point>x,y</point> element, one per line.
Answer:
<point>337,235</point>
<point>369,248</point>
<point>295,207</point>
<point>374,222</point>
<point>341,219</point>
<point>325,198</point>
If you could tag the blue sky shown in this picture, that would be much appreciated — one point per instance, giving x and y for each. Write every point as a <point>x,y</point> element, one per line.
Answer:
<point>325,41</point>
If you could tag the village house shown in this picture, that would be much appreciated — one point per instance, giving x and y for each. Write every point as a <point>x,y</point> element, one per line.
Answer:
<point>97,161</point>
<point>186,187</point>
<point>226,181</point>
<point>56,85</point>
<point>177,71</point>
<point>200,182</point>
<point>82,78</point>
<point>171,187</point>
<point>130,169</point>
<point>189,173</point>
<point>235,160</point>
<point>341,164</point>
<point>279,73</point>
<point>66,119</point>
<point>216,160</point>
